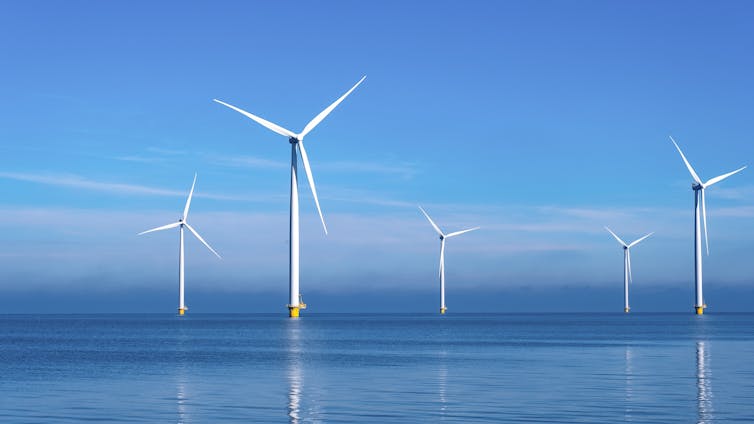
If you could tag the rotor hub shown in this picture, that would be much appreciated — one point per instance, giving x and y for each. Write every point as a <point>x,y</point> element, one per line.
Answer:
<point>696,186</point>
<point>293,140</point>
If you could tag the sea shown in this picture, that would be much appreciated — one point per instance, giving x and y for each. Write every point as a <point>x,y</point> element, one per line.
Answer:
<point>350,368</point>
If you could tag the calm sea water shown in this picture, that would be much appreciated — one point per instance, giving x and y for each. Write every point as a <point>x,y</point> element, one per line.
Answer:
<point>595,368</point>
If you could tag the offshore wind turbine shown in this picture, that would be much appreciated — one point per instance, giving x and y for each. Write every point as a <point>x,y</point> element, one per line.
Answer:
<point>181,224</point>
<point>698,186</point>
<point>626,265</point>
<point>297,141</point>
<point>443,236</point>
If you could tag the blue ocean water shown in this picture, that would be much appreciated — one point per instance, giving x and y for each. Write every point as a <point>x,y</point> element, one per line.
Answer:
<point>580,368</point>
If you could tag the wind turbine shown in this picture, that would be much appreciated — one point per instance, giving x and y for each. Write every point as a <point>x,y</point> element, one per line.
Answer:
<point>295,302</point>
<point>443,236</point>
<point>626,265</point>
<point>180,224</point>
<point>698,186</point>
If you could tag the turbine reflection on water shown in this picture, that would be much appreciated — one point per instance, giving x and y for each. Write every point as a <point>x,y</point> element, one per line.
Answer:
<point>629,394</point>
<point>442,375</point>
<point>295,380</point>
<point>181,398</point>
<point>703,384</point>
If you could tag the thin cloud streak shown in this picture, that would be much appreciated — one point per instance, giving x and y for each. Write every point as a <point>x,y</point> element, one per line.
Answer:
<point>403,170</point>
<point>78,182</point>
<point>406,171</point>
<point>246,161</point>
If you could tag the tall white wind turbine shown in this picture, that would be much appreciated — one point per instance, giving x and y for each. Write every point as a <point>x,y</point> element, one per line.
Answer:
<point>627,265</point>
<point>698,186</point>
<point>443,236</point>
<point>180,224</point>
<point>296,140</point>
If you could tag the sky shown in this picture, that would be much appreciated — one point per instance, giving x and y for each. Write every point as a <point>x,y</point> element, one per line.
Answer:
<point>539,121</point>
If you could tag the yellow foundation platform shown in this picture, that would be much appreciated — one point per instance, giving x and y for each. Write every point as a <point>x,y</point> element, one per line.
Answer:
<point>442,311</point>
<point>700,310</point>
<point>626,310</point>
<point>182,311</point>
<point>293,311</point>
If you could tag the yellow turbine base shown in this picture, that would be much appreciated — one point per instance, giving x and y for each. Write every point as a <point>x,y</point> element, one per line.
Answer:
<point>626,310</point>
<point>293,311</point>
<point>442,310</point>
<point>181,311</point>
<point>700,310</point>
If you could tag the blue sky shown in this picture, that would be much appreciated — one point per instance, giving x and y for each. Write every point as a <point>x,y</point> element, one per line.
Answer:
<point>539,121</point>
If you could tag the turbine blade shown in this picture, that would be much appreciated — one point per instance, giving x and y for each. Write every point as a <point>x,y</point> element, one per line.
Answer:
<point>432,222</point>
<point>461,232</point>
<point>616,237</point>
<point>322,115</point>
<point>188,201</point>
<point>201,239</point>
<point>722,177</point>
<point>442,257</point>
<point>309,177</point>
<point>628,259</point>
<point>263,122</point>
<point>635,242</point>
<point>164,227</point>
<point>688,165</point>
<point>704,218</point>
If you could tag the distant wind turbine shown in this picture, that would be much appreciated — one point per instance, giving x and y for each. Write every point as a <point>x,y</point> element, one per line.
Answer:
<point>182,223</point>
<point>295,302</point>
<point>443,236</point>
<point>698,186</point>
<point>626,265</point>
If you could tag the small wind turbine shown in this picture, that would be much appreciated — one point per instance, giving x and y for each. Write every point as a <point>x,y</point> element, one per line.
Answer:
<point>626,265</point>
<point>442,255</point>
<point>182,223</point>
<point>296,140</point>
<point>698,186</point>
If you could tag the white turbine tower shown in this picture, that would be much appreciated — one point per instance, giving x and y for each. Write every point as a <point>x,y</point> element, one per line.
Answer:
<point>626,265</point>
<point>180,224</point>
<point>443,236</point>
<point>295,302</point>
<point>698,186</point>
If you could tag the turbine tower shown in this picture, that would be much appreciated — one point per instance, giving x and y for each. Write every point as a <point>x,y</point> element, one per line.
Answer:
<point>443,236</point>
<point>698,186</point>
<point>626,265</point>
<point>180,224</point>
<point>296,140</point>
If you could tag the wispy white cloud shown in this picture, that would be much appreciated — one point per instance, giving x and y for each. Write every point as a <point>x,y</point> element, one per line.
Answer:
<point>736,212</point>
<point>83,183</point>
<point>139,159</point>
<point>166,152</point>
<point>403,170</point>
<point>246,161</point>
<point>733,193</point>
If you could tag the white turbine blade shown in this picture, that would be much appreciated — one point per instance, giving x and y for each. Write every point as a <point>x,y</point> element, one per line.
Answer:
<point>309,177</point>
<point>704,218</point>
<point>442,257</point>
<point>628,259</point>
<point>616,237</point>
<point>688,165</point>
<point>188,201</point>
<point>432,222</point>
<point>722,177</point>
<point>461,232</point>
<point>263,122</point>
<point>322,115</point>
<point>202,240</point>
<point>635,242</point>
<point>164,227</point>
